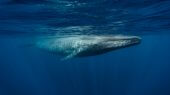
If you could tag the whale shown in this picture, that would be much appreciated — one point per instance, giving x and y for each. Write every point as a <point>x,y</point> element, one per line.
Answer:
<point>86,45</point>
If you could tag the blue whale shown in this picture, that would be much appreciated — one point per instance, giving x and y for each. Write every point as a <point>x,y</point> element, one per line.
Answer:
<point>86,45</point>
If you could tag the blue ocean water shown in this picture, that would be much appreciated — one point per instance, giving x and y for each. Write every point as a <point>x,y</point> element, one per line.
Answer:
<point>138,70</point>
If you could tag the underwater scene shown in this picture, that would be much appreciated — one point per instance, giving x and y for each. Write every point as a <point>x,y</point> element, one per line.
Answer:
<point>84,47</point>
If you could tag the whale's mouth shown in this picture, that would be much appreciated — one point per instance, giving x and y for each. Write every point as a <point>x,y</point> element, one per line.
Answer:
<point>135,40</point>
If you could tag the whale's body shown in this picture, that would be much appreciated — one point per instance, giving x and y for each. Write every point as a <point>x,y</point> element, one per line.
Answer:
<point>84,45</point>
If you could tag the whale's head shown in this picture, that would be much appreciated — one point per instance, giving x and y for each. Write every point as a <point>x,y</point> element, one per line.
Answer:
<point>117,42</point>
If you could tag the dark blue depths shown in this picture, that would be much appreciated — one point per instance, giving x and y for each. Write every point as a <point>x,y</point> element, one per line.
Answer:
<point>137,70</point>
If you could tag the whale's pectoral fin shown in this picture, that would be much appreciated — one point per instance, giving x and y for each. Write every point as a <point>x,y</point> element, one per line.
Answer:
<point>69,56</point>
<point>74,53</point>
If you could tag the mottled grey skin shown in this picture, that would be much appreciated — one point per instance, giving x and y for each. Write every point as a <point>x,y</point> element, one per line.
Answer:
<point>84,45</point>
